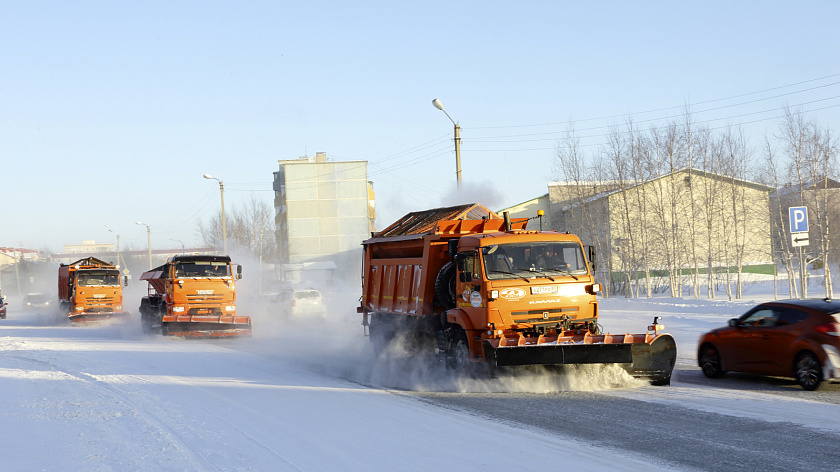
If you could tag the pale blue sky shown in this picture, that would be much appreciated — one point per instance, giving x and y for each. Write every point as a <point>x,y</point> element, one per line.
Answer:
<point>110,112</point>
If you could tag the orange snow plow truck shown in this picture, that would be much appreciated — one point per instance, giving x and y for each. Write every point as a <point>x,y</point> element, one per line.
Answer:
<point>193,296</point>
<point>482,290</point>
<point>89,291</point>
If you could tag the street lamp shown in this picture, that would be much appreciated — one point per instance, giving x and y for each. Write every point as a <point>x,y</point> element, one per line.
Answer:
<point>222,193</point>
<point>118,244</point>
<point>439,106</point>
<point>149,238</point>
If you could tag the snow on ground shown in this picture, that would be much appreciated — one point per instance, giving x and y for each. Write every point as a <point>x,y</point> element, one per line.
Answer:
<point>314,397</point>
<point>75,398</point>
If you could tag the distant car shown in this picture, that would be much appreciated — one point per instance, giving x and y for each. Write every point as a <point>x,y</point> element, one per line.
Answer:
<point>792,338</point>
<point>2,309</point>
<point>34,301</point>
<point>301,303</point>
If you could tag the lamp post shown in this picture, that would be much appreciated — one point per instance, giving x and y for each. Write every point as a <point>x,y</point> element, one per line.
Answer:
<point>118,243</point>
<point>178,241</point>
<point>149,239</point>
<point>439,106</point>
<point>222,193</point>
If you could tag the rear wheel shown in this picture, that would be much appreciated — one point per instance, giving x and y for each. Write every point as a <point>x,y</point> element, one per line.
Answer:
<point>145,312</point>
<point>808,371</point>
<point>710,362</point>
<point>381,332</point>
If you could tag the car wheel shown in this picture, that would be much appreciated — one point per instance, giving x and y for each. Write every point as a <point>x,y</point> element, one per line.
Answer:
<point>710,362</point>
<point>808,371</point>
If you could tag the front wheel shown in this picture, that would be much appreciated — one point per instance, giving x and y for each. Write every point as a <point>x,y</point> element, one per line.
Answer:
<point>710,362</point>
<point>808,371</point>
<point>458,355</point>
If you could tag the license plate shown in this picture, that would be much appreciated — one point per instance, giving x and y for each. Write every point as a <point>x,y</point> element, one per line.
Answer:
<point>543,290</point>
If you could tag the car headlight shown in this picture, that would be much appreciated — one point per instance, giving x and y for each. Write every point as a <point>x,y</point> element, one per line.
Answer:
<point>177,309</point>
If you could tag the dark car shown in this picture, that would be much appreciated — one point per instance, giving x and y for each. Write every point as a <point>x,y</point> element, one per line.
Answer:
<point>792,338</point>
<point>34,301</point>
<point>2,309</point>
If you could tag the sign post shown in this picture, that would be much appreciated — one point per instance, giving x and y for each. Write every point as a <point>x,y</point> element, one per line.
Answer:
<point>798,217</point>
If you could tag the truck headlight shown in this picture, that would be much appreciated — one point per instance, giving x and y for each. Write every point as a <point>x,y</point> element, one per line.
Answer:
<point>80,308</point>
<point>118,308</point>
<point>230,308</point>
<point>177,309</point>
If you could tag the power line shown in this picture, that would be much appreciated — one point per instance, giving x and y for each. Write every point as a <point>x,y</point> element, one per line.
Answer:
<point>655,110</point>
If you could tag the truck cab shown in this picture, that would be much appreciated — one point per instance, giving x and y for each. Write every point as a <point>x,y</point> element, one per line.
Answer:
<point>522,284</point>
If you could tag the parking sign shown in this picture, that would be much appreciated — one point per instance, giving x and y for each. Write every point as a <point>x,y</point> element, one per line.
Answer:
<point>798,219</point>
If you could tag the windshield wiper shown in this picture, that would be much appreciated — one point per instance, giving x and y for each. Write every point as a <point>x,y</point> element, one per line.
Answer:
<point>510,273</point>
<point>538,272</point>
<point>564,272</point>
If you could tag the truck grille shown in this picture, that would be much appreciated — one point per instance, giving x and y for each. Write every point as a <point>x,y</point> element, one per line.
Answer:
<point>99,304</point>
<point>205,311</point>
<point>100,309</point>
<point>537,316</point>
<point>212,298</point>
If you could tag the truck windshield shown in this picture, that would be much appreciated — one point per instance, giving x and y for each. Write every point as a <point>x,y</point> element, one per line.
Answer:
<point>533,259</point>
<point>98,278</point>
<point>202,269</point>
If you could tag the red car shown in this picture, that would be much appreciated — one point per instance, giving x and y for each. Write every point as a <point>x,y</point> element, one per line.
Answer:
<point>792,338</point>
<point>2,309</point>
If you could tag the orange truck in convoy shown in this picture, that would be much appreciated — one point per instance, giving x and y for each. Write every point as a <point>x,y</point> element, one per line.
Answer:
<point>89,291</point>
<point>193,296</point>
<point>483,290</point>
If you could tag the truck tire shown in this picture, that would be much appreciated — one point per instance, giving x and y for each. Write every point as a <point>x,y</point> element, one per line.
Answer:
<point>458,352</point>
<point>381,332</point>
<point>145,316</point>
<point>445,286</point>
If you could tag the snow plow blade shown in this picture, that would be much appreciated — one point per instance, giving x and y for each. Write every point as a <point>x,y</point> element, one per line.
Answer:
<point>101,317</point>
<point>206,326</point>
<point>648,356</point>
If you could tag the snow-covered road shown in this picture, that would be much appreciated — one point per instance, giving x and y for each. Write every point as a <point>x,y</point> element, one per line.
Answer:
<point>112,399</point>
<point>304,398</point>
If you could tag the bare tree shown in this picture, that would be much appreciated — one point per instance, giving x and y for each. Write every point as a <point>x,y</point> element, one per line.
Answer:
<point>250,228</point>
<point>579,180</point>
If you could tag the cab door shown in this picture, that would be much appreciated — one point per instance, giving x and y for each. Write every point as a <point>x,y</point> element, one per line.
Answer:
<point>468,284</point>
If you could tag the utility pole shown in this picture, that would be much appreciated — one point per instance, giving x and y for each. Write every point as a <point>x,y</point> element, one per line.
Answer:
<point>437,103</point>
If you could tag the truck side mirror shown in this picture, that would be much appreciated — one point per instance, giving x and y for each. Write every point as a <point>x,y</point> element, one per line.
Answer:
<point>590,255</point>
<point>238,271</point>
<point>125,281</point>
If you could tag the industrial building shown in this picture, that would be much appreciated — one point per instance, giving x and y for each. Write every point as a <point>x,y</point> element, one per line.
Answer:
<point>323,211</point>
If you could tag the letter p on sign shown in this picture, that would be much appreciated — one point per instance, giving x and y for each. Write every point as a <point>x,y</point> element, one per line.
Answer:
<point>798,219</point>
